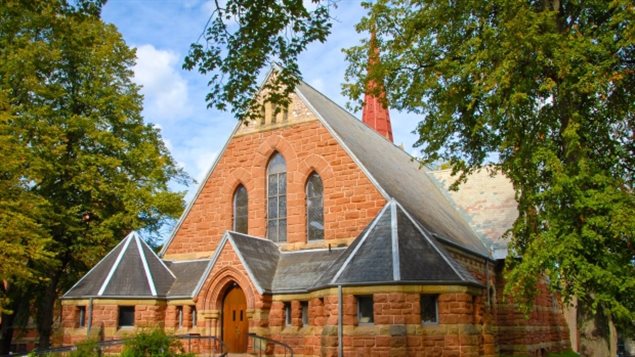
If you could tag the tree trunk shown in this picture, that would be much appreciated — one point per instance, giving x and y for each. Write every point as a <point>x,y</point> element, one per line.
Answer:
<point>595,332</point>
<point>45,311</point>
<point>7,327</point>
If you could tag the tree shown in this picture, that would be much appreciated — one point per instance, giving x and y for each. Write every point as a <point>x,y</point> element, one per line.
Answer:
<point>542,90</point>
<point>82,168</point>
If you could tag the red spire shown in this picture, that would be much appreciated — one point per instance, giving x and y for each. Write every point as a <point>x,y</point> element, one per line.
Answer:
<point>374,113</point>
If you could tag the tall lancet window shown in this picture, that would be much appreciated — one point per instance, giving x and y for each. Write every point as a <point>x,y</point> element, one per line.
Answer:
<point>277,199</point>
<point>315,207</point>
<point>240,210</point>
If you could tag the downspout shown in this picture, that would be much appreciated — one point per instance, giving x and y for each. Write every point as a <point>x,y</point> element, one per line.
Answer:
<point>90,316</point>
<point>340,324</point>
<point>487,286</point>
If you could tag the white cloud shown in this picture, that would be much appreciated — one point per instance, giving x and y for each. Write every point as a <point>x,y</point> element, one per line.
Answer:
<point>165,90</point>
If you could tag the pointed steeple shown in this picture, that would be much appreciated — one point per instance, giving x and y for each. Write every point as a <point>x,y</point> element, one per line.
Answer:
<point>374,113</point>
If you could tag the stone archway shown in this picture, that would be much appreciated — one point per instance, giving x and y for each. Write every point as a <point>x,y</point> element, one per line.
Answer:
<point>214,293</point>
<point>234,323</point>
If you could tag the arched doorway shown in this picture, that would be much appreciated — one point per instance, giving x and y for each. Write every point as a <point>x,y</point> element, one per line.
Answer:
<point>235,325</point>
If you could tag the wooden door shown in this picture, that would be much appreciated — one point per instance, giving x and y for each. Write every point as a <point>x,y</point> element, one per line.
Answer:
<point>235,324</point>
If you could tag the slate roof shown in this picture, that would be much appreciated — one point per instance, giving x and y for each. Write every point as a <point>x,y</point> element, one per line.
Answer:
<point>395,172</point>
<point>393,250</point>
<point>131,269</point>
<point>301,271</point>
<point>188,274</point>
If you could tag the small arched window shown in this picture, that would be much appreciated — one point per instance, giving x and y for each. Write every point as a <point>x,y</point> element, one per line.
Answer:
<point>315,207</point>
<point>277,199</point>
<point>240,210</point>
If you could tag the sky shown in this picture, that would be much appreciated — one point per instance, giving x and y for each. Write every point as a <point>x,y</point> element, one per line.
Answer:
<point>174,99</point>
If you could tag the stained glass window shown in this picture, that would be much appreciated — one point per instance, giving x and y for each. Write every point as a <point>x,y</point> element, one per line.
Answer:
<point>240,210</point>
<point>277,199</point>
<point>315,207</point>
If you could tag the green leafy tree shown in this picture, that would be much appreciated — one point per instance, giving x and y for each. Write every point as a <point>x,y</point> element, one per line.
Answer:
<point>243,38</point>
<point>81,169</point>
<point>542,90</point>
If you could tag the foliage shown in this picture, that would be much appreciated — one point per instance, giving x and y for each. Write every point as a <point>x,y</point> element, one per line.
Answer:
<point>22,240</point>
<point>548,87</point>
<point>81,169</point>
<point>87,348</point>
<point>542,90</point>
<point>155,343</point>
<point>242,37</point>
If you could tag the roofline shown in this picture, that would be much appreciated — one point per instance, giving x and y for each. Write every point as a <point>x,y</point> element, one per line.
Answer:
<point>429,239</point>
<point>121,297</point>
<point>208,269</point>
<point>294,291</point>
<point>361,242</point>
<point>158,258</point>
<point>244,263</point>
<point>370,177</point>
<point>186,260</point>
<point>394,238</point>
<point>187,210</point>
<point>444,240</point>
<point>227,236</point>
<point>111,272</point>
<point>311,250</point>
<point>146,268</point>
<point>94,267</point>
<point>350,153</point>
<point>375,283</point>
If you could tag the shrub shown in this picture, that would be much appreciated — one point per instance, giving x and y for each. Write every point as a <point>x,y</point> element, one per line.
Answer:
<point>155,343</point>
<point>86,348</point>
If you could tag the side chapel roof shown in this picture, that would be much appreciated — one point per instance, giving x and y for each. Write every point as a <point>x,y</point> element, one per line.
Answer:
<point>393,249</point>
<point>131,269</point>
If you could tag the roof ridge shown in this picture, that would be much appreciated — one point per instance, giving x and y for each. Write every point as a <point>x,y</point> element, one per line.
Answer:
<point>394,237</point>
<point>251,236</point>
<point>370,130</point>
<point>95,266</point>
<point>111,272</point>
<point>361,242</point>
<point>146,268</point>
<point>433,242</point>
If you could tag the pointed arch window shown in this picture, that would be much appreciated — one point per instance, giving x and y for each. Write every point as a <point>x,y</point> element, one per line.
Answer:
<point>315,207</point>
<point>240,210</point>
<point>277,199</point>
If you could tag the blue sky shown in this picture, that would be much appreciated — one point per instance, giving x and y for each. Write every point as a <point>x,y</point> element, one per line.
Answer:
<point>174,99</point>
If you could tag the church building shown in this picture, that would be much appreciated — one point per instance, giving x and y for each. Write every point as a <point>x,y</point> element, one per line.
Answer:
<point>314,229</point>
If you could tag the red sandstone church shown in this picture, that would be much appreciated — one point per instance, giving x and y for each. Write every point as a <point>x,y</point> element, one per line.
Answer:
<point>314,229</point>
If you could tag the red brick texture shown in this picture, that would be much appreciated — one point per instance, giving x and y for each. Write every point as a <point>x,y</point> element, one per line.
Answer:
<point>350,199</point>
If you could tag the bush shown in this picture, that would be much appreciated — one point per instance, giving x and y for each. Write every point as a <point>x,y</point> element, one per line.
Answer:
<point>155,343</point>
<point>86,348</point>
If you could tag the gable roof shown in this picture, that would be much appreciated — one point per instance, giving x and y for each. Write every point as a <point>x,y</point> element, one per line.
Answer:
<point>131,269</point>
<point>396,174</point>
